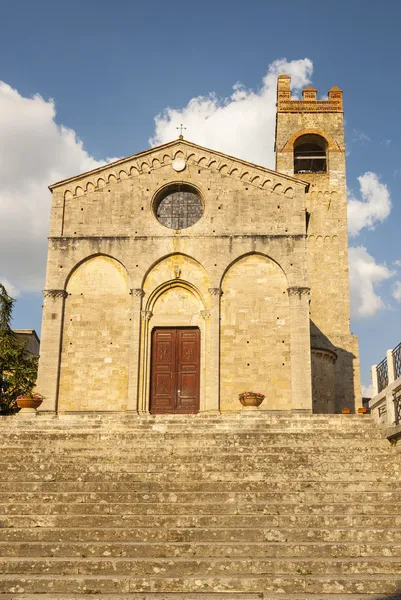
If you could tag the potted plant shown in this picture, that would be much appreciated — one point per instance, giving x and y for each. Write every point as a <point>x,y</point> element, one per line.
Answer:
<point>362,410</point>
<point>346,411</point>
<point>251,399</point>
<point>30,401</point>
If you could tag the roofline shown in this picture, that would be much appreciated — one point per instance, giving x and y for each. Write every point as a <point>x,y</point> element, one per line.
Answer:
<point>27,332</point>
<point>167,145</point>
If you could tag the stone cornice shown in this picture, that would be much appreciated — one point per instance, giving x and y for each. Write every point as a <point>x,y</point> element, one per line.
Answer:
<point>215,291</point>
<point>329,355</point>
<point>298,291</point>
<point>137,292</point>
<point>55,294</point>
<point>323,106</point>
<point>272,236</point>
<point>161,156</point>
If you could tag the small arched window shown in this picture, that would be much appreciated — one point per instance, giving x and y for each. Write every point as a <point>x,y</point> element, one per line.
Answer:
<point>310,154</point>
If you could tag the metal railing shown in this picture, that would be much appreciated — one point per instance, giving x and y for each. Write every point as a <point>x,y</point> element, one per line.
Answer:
<point>382,375</point>
<point>385,406</point>
<point>397,361</point>
<point>397,407</point>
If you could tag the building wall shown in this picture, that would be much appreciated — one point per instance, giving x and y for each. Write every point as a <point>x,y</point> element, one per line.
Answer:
<point>327,234</point>
<point>178,276</point>
<point>94,356</point>
<point>255,333</point>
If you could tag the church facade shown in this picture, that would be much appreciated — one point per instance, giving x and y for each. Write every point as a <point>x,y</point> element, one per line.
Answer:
<point>180,276</point>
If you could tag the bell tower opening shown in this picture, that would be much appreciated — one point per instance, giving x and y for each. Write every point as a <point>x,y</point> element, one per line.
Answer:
<point>310,154</point>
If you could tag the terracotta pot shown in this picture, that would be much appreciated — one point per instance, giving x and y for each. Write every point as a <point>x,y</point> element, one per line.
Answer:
<point>362,411</point>
<point>346,411</point>
<point>252,401</point>
<point>29,403</point>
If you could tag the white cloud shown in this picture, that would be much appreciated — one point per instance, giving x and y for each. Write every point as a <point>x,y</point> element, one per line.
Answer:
<point>397,291</point>
<point>10,288</point>
<point>374,207</point>
<point>34,152</point>
<point>365,274</point>
<point>367,391</point>
<point>397,263</point>
<point>359,136</point>
<point>241,125</point>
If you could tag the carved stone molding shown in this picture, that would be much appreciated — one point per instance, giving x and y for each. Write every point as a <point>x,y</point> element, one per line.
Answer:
<point>298,291</point>
<point>146,314</point>
<point>55,294</point>
<point>137,292</point>
<point>215,291</point>
<point>205,314</point>
<point>325,354</point>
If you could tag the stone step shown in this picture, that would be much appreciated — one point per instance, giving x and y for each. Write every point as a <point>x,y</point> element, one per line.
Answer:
<point>197,596</point>
<point>230,507</point>
<point>366,535</point>
<point>50,455</point>
<point>384,499</point>
<point>149,486</point>
<point>17,437</point>
<point>146,420</point>
<point>184,447</point>
<point>203,521</point>
<point>184,567</point>
<point>198,549</point>
<point>257,460</point>
<point>279,584</point>
<point>208,436</point>
<point>198,475</point>
<point>18,428</point>
<point>200,508</point>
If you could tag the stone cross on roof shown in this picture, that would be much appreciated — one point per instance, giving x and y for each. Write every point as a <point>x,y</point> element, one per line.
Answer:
<point>181,127</point>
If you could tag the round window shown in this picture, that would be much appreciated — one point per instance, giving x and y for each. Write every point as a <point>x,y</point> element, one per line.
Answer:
<point>178,206</point>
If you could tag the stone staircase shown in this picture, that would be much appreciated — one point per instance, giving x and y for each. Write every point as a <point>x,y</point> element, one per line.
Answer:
<point>196,507</point>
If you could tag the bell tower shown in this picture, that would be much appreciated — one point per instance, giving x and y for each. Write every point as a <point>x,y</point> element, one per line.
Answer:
<point>309,145</point>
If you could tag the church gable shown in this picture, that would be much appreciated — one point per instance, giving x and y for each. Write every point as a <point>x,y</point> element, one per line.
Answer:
<point>115,199</point>
<point>153,159</point>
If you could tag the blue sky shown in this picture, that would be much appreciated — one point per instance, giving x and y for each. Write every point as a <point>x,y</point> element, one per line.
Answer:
<point>111,68</point>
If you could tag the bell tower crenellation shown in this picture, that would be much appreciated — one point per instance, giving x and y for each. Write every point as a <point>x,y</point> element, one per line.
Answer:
<point>309,145</point>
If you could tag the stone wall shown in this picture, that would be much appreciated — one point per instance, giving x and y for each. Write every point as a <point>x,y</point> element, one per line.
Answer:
<point>327,234</point>
<point>255,333</point>
<point>94,357</point>
<point>183,276</point>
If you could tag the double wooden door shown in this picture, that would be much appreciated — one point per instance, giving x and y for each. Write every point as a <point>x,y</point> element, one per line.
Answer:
<point>175,370</point>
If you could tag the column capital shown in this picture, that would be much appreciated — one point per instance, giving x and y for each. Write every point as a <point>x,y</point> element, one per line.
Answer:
<point>216,291</point>
<point>146,314</point>
<point>55,294</point>
<point>298,291</point>
<point>138,292</point>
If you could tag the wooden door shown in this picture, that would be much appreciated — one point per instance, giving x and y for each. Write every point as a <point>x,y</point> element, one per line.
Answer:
<point>175,370</point>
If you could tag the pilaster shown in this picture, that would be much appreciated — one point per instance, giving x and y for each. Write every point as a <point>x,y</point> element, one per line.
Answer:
<point>144,361</point>
<point>50,348</point>
<point>134,349</point>
<point>301,377</point>
<point>213,370</point>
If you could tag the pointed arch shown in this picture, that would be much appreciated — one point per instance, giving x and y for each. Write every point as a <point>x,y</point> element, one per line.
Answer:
<point>95,337</point>
<point>88,258</point>
<point>255,332</point>
<point>332,145</point>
